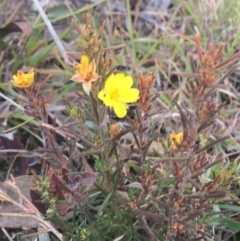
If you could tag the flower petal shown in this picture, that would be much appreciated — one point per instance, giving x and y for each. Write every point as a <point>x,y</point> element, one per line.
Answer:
<point>94,77</point>
<point>109,101</point>
<point>84,60</point>
<point>129,95</point>
<point>30,77</point>
<point>102,95</point>
<point>87,87</point>
<point>15,79</point>
<point>120,109</point>
<point>110,83</point>
<point>78,78</point>
<point>92,66</point>
<point>125,83</point>
<point>119,76</point>
<point>77,67</point>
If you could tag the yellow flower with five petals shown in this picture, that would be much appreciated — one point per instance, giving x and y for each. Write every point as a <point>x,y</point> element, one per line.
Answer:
<point>22,80</point>
<point>118,92</point>
<point>85,73</point>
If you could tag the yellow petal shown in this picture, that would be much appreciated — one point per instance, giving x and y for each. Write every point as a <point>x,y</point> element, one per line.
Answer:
<point>111,83</point>
<point>109,101</point>
<point>129,95</point>
<point>119,76</point>
<point>102,95</point>
<point>15,79</point>
<point>30,77</point>
<point>125,83</point>
<point>78,67</point>
<point>84,60</point>
<point>120,109</point>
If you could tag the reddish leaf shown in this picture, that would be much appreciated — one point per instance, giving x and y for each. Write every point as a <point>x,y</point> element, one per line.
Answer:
<point>53,180</point>
<point>65,172</point>
<point>55,184</point>
<point>77,178</point>
<point>88,178</point>
<point>36,201</point>
<point>62,208</point>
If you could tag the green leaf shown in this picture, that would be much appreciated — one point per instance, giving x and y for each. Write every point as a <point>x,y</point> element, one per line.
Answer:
<point>41,55</point>
<point>229,207</point>
<point>105,202</point>
<point>166,100</point>
<point>226,222</point>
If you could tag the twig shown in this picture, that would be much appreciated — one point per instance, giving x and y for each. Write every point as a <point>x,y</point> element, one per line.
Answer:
<point>28,208</point>
<point>52,32</point>
<point>7,235</point>
<point>11,101</point>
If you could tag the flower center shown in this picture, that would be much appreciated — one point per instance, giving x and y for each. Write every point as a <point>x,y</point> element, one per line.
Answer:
<point>22,79</point>
<point>114,94</point>
<point>85,71</point>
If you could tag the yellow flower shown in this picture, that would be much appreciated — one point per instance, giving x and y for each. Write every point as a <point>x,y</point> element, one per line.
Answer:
<point>118,92</point>
<point>176,140</point>
<point>22,80</point>
<point>85,73</point>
